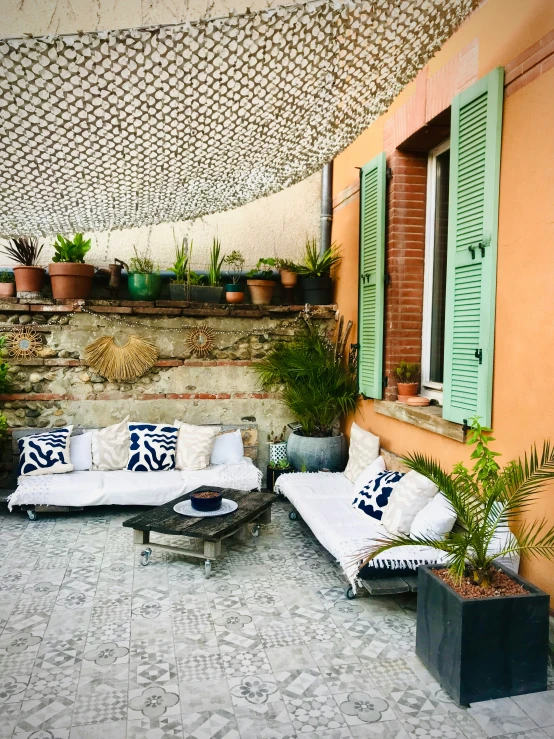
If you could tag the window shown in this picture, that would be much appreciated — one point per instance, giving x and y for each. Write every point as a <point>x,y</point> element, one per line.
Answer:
<point>434,291</point>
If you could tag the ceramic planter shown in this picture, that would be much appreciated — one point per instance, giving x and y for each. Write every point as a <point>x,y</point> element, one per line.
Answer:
<point>273,474</point>
<point>205,294</point>
<point>261,291</point>
<point>288,278</point>
<point>28,279</point>
<point>144,286</point>
<point>482,648</point>
<point>313,453</point>
<point>406,390</point>
<point>177,291</point>
<point>234,293</point>
<point>70,280</point>
<point>317,290</point>
<point>277,451</point>
<point>7,289</point>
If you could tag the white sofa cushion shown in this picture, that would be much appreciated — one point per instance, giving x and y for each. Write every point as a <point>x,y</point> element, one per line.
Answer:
<point>228,448</point>
<point>46,453</point>
<point>363,450</point>
<point>411,494</point>
<point>110,447</point>
<point>370,473</point>
<point>435,520</point>
<point>80,450</point>
<point>194,445</point>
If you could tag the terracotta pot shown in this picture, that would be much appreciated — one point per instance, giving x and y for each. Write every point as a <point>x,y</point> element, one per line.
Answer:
<point>70,280</point>
<point>234,293</point>
<point>418,401</point>
<point>7,289</point>
<point>28,279</point>
<point>288,278</point>
<point>261,291</point>
<point>406,390</point>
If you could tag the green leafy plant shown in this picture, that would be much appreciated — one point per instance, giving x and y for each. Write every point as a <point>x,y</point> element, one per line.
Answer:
<point>285,264</point>
<point>24,250</point>
<point>4,367</point>
<point>485,499</point>
<point>141,265</point>
<point>180,266</point>
<point>316,387</point>
<point>263,269</point>
<point>316,264</point>
<point>195,279</point>
<point>216,262</point>
<point>282,464</point>
<point>407,371</point>
<point>6,276</point>
<point>235,263</point>
<point>71,250</point>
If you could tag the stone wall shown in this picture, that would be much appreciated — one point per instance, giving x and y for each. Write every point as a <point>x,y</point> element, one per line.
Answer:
<point>56,388</point>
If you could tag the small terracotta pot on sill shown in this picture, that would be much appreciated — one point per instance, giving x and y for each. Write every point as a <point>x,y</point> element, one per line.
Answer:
<point>234,293</point>
<point>70,279</point>
<point>288,278</point>
<point>7,289</point>
<point>28,279</point>
<point>406,390</point>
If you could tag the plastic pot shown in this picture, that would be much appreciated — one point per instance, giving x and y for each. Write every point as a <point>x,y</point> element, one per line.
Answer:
<point>177,291</point>
<point>313,453</point>
<point>234,293</point>
<point>28,279</point>
<point>7,289</point>
<point>205,294</point>
<point>317,290</point>
<point>70,280</point>
<point>144,287</point>
<point>261,291</point>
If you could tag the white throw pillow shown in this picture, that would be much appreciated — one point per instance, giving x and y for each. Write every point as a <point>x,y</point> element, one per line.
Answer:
<point>435,520</point>
<point>194,445</point>
<point>411,494</point>
<point>110,447</point>
<point>364,449</point>
<point>80,450</point>
<point>228,448</point>
<point>369,473</point>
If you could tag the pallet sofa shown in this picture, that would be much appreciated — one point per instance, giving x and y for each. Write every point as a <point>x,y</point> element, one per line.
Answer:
<point>61,493</point>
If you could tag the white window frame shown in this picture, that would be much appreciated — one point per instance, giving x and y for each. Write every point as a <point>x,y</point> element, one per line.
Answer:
<point>433,390</point>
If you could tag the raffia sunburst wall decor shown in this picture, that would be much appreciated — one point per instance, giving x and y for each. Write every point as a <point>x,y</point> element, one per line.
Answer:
<point>23,343</point>
<point>200,340</point>
<point>125,362</point>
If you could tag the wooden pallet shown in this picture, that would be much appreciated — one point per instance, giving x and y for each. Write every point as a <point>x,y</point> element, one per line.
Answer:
<point>391,585</point>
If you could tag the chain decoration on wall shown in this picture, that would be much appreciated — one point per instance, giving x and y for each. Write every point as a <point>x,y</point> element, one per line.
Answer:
<point>23,343</point>
<point>228,109</point>
<point>200,340</point>
<point>126,362</point>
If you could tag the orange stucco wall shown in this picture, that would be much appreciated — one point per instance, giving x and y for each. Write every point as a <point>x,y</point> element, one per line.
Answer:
<point>523,401</point>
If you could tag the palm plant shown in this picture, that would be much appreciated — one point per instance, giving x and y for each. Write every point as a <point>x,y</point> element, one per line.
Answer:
<point>24,250</point>
<point>316,387</point>
<point>316,264</point>
<point>214,269</point>
<point>485,499</point>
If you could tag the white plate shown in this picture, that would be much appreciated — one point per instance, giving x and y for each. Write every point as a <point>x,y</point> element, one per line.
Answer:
<point>185,509</point>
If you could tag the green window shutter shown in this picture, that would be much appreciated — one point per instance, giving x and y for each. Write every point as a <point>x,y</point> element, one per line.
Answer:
<point>472,245</point>
<point>372,277</point>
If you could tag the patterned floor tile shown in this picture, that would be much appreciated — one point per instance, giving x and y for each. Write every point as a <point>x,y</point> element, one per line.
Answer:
<point>51,712</point>
<point>218,724</point>
<point>497,717</point>
<point>254,690</point>
<point>164,727</point>
<point>265,721</point>
<point>346,678</point>
<point>314,714</point>
<point>364,707</point>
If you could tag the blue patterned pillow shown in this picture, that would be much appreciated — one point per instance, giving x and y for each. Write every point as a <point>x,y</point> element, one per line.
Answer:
<point>152,447</point>
<point>374,496</point>
<point>46,453</point>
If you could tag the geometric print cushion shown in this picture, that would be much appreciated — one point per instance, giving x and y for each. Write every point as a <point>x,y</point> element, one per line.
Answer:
<point>46,453</point>
<point>374,496</point>
<point>110,447</point>
<point>152,447</point>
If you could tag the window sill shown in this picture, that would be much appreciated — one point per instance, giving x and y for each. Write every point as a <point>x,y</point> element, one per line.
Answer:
<point>428,418</point>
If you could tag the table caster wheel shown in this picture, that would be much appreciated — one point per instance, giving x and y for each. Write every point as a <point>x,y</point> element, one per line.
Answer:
<point>207,569</point>
<point>145,556</point>
<point>32,515</point>
<point>293,515</point>
<point>350,594</point>
<point>256,530</point>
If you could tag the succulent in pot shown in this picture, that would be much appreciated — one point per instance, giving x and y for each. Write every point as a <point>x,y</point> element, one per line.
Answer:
<point>69,275</point>
<point>315,273</point>
<point>178,288</point>
<point>7,284</point>
<point>407,385</point>
<point>29,278</point>
<point>234,290</point>
<point>207,288</point>
<point>144,281</point>
<point>260,281</point>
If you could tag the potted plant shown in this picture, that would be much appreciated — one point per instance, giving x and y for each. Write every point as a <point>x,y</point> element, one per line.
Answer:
<point>25,251</point>
<point>210,292</point>
<point>288,271</point>
<point>407,385</point>
<point>277,446</point>
<point>144,281</point>
<point>180,270</point>
<point>275,470</point>
<point>260,282</point>
<point>7,284</point>
<point>69,275</point>
<point>315,273</point>
<point>234,291</point>
<point>482,630</point>
<point>318,388</point>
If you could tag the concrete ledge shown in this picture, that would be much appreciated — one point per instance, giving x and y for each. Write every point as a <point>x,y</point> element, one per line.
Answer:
<point>429,418</point>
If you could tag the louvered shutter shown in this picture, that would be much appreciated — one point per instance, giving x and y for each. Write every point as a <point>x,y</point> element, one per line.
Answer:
<point>472,245</point>
<point>372,277</point>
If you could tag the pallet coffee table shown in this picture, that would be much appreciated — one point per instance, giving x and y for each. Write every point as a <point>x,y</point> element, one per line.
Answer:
<point>252,508</point>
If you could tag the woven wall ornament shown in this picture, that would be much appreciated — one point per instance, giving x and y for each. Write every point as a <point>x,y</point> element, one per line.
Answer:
<point>176,122</point>
<point>125,362</point>
<point>200,340</point>
<point>23,343</point>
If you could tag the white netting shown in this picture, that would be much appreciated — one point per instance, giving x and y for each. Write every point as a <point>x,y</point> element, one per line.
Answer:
<point>127,128</point>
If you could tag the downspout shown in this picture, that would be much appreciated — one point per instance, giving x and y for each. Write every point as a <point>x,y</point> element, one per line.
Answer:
<point>326,207</point>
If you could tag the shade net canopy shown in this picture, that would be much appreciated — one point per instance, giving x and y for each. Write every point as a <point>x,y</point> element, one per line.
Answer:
<point>126,128</point>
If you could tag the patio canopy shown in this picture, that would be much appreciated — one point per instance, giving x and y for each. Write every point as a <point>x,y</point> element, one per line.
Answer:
<point>126,128</point>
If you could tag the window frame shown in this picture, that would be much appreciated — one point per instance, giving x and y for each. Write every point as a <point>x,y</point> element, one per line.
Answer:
<point>432,390</point>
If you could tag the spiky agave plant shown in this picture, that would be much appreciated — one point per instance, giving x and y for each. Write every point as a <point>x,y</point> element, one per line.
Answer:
<point>316,264</point>
<point>484,498</point>
<point>316,387</point>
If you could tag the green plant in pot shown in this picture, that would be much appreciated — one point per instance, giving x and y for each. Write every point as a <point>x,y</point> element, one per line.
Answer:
<point>144,281</point>
<point>288,271</point>
<point>234,290</point>
<point>275,470</point>
<point>315,273</point>
<point>260,281</point>
<point>407,385</point>
<point>25,251</point>
<point>180,268</point>
<point>317,388</point>
<point>69,275</point>
<point>208,288</point>
<point>7,284</point>
<point>482,630</point>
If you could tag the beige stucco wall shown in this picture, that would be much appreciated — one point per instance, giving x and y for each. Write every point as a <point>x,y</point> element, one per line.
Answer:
<point>276,225</point>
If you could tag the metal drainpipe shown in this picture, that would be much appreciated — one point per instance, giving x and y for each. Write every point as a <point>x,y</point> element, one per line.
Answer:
<point>326,207</point>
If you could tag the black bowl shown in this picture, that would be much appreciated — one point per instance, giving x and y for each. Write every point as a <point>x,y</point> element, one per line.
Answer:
<point>212,503</point>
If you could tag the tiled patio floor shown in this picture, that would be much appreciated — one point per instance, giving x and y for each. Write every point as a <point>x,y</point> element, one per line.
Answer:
<point>95,646</point>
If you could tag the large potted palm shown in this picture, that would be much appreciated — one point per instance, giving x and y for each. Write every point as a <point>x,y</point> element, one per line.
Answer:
<point>482,630</point>
<point>318,388</point>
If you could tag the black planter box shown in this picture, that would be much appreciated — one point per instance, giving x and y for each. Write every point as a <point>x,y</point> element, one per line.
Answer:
<point>482,648</point>
<point>273,473</point>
